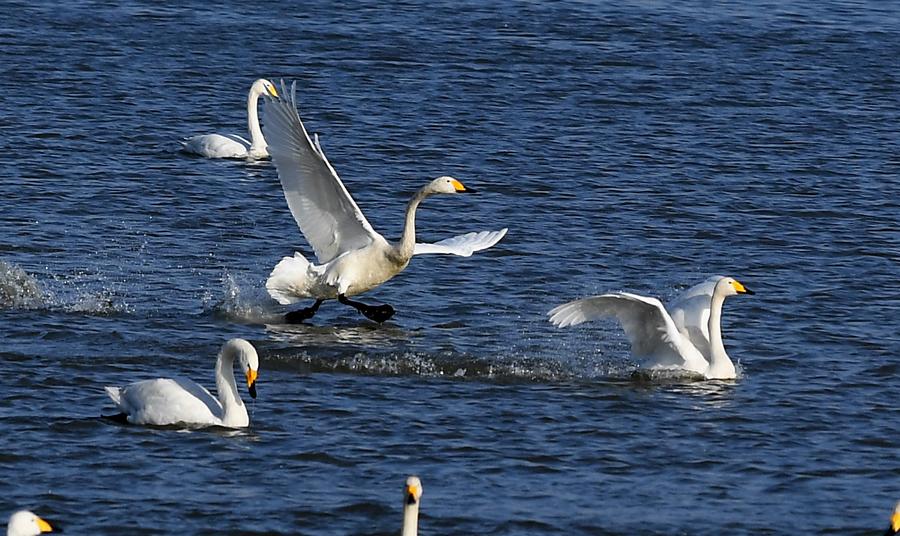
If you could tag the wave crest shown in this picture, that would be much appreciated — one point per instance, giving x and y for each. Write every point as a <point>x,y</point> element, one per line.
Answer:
<point>500,369</point>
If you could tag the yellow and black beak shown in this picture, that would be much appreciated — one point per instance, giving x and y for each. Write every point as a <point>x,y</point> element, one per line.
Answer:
<point>271,89</point>
<point>741,289</point>
<point>895,525</point>
<point>460,189</point>
<point>251,382</point>
<point>410,495</point>
<point>45,526</point>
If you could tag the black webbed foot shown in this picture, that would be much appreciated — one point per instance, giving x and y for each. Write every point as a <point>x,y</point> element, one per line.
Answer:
<point>378,313</point>
<point>298,316</point>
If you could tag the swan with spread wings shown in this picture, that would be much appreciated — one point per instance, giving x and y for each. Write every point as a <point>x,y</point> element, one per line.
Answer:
<point>352,257</point>
<point>686,335</point>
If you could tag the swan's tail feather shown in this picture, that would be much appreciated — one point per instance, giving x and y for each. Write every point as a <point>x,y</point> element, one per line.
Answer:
<point>290,280</point>
<point>115,393</point>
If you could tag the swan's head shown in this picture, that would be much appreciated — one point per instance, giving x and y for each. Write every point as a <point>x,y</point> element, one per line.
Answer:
<point>247,359</point>
<point>25,523</point>
<point>413,491</point>
<point>263,86</point>
<point>447,185</point>
<point>895,522</point>
<point>728,286</point>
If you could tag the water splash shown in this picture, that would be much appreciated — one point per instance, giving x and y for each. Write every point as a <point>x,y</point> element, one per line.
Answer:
<point>21,290</point>
<point>18,289</point>
<point>500,369</point>
<point>243,302</point>
<point>102,302</point>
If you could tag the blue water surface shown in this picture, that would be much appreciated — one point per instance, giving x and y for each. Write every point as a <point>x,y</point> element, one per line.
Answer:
<point>637,146</point>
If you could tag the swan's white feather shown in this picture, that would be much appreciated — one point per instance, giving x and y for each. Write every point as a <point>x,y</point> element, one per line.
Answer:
<point>291,279</point>
<point>27,523</point>
<point>412,496</point>
<point>163,401</point>
<point>658,337</point>
<point>462,245</point>
<point>232,145</point>
<point>690,312</point>
<point>328,217</point>
<point>352,257</point>
<point>215,146</point>
<point>649,328</point>
<point>240,139</point>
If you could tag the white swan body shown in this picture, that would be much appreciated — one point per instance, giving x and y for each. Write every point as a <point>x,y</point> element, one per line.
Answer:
<point>412,493</point>
<point>166,401</point>
<point>687,336</point>
<point>232,146</point>
<point>25,523</point>
<point>352,257</point>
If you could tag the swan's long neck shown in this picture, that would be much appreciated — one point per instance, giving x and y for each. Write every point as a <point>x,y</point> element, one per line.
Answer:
<point>233,409</point>
<point>257,141</point>
<point>410,519</point>
<point>720,365</point>
<point>408,241</point>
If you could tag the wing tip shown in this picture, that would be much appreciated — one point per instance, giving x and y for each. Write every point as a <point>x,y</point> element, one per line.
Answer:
<point>565,315</point>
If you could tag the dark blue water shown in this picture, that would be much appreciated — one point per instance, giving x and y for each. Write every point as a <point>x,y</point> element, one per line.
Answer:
<point>627,146</point>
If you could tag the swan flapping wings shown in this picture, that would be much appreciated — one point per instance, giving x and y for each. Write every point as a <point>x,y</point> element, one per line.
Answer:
<point>328,217</point>
<point>462,245</point>
<point>650,330</point>
<point>690,312</point>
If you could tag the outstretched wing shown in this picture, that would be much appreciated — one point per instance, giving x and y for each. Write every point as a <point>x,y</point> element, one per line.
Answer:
<point>647,325</point>
<point>326,214</point>
<point>690,312</point>
<point>462,245</point>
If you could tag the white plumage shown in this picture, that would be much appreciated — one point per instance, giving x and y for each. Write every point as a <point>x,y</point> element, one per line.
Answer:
<point>25,523</point>
<point>352,257</point>
<point>687,336</point>
<point>231,145</point>
<point>412,494</point>
<point>164,401</point>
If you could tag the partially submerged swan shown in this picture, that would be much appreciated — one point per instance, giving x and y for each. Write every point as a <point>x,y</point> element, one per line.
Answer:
<point>25,523</point>
<point>352,256</point>
<point>686,336</point>
<point>233,146</point>
<point>181,401</point>
<point>412,493</point>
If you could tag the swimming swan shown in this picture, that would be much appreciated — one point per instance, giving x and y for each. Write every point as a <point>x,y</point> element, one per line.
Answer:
<point>687,336</point>
<point>232,146</point>
<point>352,256</point>
<point>411,495</point>
<point>25,523</point>
<point>171,401</point>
